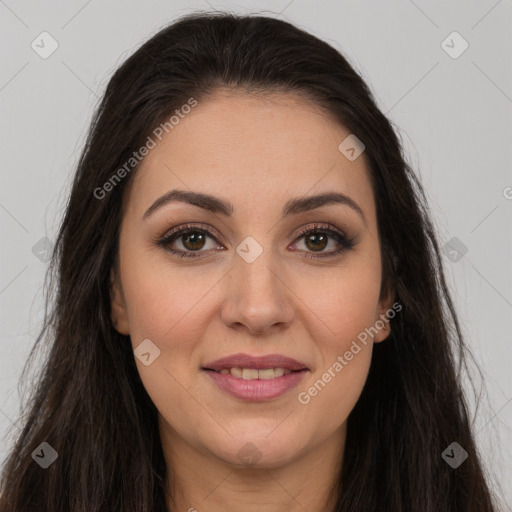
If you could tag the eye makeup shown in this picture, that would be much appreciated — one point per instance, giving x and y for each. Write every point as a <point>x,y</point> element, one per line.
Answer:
<point>191,233</point>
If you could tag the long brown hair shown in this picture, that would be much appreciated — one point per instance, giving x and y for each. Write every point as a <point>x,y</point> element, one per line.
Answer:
<point>90,405</point>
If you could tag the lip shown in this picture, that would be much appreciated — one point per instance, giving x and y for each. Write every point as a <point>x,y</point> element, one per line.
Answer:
<point>255,362</point>
<point>256,390</point>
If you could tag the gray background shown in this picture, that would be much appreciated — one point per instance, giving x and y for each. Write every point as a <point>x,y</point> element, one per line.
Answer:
<point>453,115</point>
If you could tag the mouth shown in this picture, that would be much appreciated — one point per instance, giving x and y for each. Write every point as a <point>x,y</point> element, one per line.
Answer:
<point>256,378</point>
<point>254,373</point>
<point>247,362</point>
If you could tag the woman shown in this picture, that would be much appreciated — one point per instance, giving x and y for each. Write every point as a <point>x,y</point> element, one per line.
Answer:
<point>251,310</point>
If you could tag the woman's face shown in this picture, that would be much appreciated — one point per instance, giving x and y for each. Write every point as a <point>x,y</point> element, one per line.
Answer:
<point>251,282</point>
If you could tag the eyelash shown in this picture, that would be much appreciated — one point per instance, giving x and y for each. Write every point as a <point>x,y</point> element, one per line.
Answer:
<point>346,243</point>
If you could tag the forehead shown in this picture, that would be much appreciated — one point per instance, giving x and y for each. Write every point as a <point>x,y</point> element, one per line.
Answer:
<point>253,150</point>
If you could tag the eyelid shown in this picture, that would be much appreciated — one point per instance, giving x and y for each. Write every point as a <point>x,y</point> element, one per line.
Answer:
<point>344,241</point>
<point>210,231</point>
<point>320,226</point>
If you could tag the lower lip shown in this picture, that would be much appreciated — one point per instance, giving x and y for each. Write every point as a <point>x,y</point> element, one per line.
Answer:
<point>256,389</point>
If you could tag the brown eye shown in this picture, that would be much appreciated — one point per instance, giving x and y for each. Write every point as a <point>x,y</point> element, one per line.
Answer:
<point>189,241</point>
<point>193,240</point>
<point>316,241</point>
<point>317,238</point>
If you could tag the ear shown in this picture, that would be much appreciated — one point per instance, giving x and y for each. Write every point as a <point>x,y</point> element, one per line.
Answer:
<point>382,322</point>
<point>118,305</point>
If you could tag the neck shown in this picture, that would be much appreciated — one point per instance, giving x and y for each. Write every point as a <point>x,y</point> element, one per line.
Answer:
<point>199,480</point>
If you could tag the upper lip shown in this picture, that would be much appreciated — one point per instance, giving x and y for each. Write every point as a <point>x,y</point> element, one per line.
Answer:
<point>255,362</point>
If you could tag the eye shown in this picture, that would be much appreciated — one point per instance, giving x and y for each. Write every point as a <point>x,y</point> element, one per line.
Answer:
<point>318,237</point>
<point>193,239</point>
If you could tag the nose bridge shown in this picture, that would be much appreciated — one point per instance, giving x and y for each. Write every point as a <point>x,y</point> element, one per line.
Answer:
<point>256,269</point>
<point>257,295</point>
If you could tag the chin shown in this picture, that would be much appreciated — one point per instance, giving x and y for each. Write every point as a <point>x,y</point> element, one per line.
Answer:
<point>261,450</point>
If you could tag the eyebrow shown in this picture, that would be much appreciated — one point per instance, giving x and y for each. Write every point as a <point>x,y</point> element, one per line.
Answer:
<point>216,205</point>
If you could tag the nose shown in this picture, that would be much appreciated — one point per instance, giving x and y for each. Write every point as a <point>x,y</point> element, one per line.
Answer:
<point>258,297</point>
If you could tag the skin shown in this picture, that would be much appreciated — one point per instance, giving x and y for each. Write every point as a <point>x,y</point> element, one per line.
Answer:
<point>257,153</point>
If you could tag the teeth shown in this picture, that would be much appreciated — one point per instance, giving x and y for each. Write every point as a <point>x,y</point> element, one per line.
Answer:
<point>270,373</point>
<point>252,373</point>
<point>249,374</point>
<point>237,372</point>
<point>281,371</point>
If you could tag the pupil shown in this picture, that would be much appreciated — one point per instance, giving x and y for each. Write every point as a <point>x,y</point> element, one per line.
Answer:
<point>317,238</point>
<point>194,239</point>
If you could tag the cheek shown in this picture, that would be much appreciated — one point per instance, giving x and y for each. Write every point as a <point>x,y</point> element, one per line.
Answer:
<point>334,387</point>
<point>163,302</point>
<point>344,301</point>
<point>344,308</point>
<point>168,308</point>
<point>327,400</point>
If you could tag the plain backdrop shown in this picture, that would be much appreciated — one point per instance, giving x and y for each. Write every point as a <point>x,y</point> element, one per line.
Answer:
<point>442,72</point>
